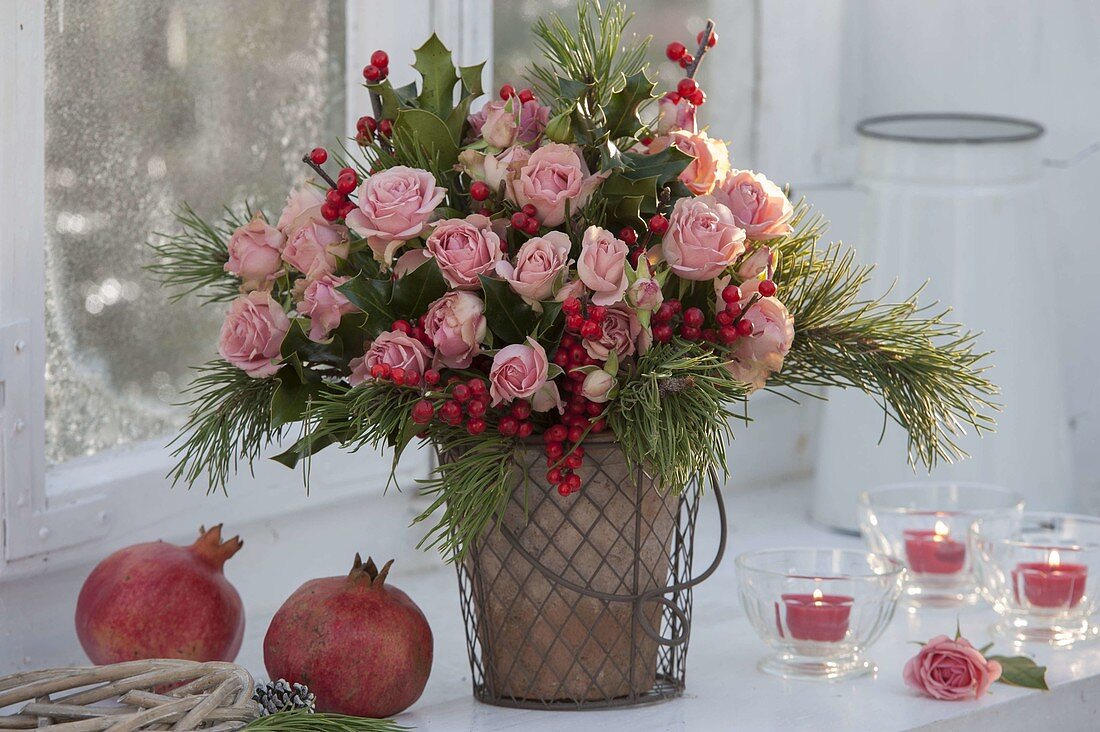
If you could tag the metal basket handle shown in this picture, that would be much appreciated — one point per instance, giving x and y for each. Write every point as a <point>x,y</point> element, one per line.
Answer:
<point>656,594</point>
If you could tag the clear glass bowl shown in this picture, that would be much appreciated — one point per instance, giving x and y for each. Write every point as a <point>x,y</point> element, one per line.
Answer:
<point>925,526</point>
<point>818,609</point>
<point>1041,573</point>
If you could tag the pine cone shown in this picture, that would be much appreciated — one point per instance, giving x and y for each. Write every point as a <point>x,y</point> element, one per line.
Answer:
<point>278,696</point>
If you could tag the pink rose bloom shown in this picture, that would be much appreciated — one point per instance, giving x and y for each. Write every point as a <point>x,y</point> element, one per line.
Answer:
<point>500,124</point>
<point>519,371</point>
<point>574,288</point>
<point>712,159</point>
<point>758,206</point>
<point>396,350</point>
<point>324,305</point>
<point>464,249</point>
<point>456,325</point>
<point>255,254</point>
<point>252,334</point>
<point>621,330</point>
<point>645,294</point>
<point>541,262</point>
<point>505,167</point>
<point>533,118</point>
<point>756,357</point>
<point>951,670</point>
<point>409,261</point>
<point>756,264</point>
<point>597,386</point>
<point>702,239</point>
<point>315,247</point>
<point>302,205</point>
<point>672,117</point>
<point>601,265</point>
<point>394,206</point>
<point>555,174</point>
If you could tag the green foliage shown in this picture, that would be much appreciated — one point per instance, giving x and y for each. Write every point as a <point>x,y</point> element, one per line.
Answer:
<point>1021,671</point>
<point>193,260</point>
<point>385,300</point>
<point>673,414</point>
<point>301,720</point>
<point>230,420</point>
<point>511,319</point>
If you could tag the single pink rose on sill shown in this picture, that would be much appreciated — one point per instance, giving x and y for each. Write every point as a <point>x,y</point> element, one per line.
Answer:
<point>951,670</point>
<point>253,333</point>
<point>394,206</point>
<point>758,206</point>
<point>324,305</point>
<point>255,254</point>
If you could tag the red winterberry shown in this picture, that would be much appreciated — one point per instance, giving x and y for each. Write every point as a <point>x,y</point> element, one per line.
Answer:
<point>376,371</point>
<point>699,98</point>
<point>628,235</point>
<point>591,331</point>
<point>597,313</point>
<point>673,97</point>
<point>345,184</point>
<point>346,208</point>
<point>555,450</point>
<point>664,313</point>
<point>571,306</point>
<point>460,392</point>
<point>658,224</point>
<point>578,355</point>
<point>574,461</point>
<point>563,489</point>
<point>519,220</point>
<point>521,409</point>
<point>330,211</point>
<point>690,332</point>
<point>766,288</point>
<point>334,197</point>
<point>475,408</point>
<point>386,127</point>
<point>574,483</point>
<point>487,213</point>
<point>451,411</point>
<point>727,334</point>
<point>367,124</point>
<point>380,58</point>
<point>575,407</point>
<point>532,226</point>
<point>693,317</point>
<point>574,322</point>
<point>318,155</point>
<point>479,190</point>
<point>662,333</point>
<point>431,377</point>
<point>731,293</point>
<point>372,73</point>
<point>557,433</point>
<point>686,60</point>
<point>576,433</point>
<point>733,308</point>
<point>710,335</point>
<point>561,356</point>
<point>676,305</point>
<point>525,430</point>
<point>529,210</point>
<point>508,426</point>
<point>507,91</point>
<point>526,95</point>
<point>398,375</point>
<point>599,426</point>
<point>402,325</point>
<point>593,408</point>
<point>710,41</point>
<point>724,317</point>
<point>744,328</point>
<point>553,476</point>
<point>475,425</point>
<point>477,387</point>
<point>675,50</point>
<point>423,411</point>
<point>686,87</point>
<point>634,256</point>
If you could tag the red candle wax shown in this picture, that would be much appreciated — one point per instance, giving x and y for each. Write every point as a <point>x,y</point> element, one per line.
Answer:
<point>934,552</point>
<point>817,617</point>
<point>1051,583</point>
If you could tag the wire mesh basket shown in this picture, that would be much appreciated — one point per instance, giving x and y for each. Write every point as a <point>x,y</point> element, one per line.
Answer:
<point>584,602</point>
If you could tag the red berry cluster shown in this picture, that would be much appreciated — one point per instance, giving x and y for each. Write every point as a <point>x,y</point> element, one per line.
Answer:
<point>563,458</point>
<point>379,67</point>
<point>337,205</point>
<point>589,325</point>
<point>516,421</point>
<point>526,220</point>
<point>365,128</point>
<point>678,52</point>
<point>507,91</point>
<point>414,331</point>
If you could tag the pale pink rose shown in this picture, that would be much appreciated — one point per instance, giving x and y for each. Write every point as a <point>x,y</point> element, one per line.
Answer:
<point>574,288</point>
<point>456,325</point>
<point>547,398</point>
<point>394,206</point>
<point>533,118</point>
<point>597,386</point>
<point>255,254</point>
<point>252,334</point>
<point>621,330</point>
<point>555,175</point>
<point>302,205</point>
<point>601,265</point>
<point>505,167</point>
<point>324,305</point>
<point>702,239</point>
<point>502,124</point>
<point>396,350</point>
<point>477,121</point>
<point>758,206</point>
<point>409,261</point>
<point>519,371</point>
<point>712,159</point>
<point>499,127</point>
<point>951,670</point>
<point>315,247</point>
<point>645,294</point>
<point>672,117</point>
<point>464,249</point>
<point>756,357</point>
<point>541,262</point>
<point>759,262</point>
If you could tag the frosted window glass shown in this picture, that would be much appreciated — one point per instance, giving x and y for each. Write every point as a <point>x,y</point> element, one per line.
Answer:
<point>147,104</point>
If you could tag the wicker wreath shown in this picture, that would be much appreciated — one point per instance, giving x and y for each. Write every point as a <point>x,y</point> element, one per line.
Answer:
<point>159,694</point>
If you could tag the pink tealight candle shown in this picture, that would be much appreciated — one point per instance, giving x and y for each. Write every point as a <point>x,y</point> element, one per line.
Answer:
<point>934,552</point>
<point>817,617</point>
<point>1051,583</point>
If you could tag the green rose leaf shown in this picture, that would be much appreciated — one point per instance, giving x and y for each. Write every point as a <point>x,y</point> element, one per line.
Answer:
<point>1021,671</point>
<point>435,65</point>
<point>622,111</point>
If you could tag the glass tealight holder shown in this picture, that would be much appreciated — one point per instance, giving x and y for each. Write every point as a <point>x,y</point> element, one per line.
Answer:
<point>1041,573</point>
<point>818,609</point>
<point>925,526</point>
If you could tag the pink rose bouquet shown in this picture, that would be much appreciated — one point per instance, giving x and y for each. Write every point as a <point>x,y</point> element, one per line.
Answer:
<point>559,261</point>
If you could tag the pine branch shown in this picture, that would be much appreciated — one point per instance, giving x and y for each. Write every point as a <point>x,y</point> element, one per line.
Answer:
<point>193,260</point>
<point>922,369</point>
<point>230,421</point>
<point>300,720</point>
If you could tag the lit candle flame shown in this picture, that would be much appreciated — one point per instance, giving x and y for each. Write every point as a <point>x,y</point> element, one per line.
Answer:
<point>1055,558</point>
<point>817,597</point>
<point>941,531</point>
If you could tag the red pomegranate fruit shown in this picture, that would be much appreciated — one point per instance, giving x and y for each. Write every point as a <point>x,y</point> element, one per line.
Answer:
<point>159,600</point>
<point>361,645</point>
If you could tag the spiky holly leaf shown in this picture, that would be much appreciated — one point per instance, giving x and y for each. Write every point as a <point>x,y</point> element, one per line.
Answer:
<point>291,398</point>
<point>471,90</point>
<point>373,298</point>
<point>665,166</point>
<point>436,67</point>
<point>512,320</point>
<point>413,293</point>
<point>621,112</point>
<point>427,130</point>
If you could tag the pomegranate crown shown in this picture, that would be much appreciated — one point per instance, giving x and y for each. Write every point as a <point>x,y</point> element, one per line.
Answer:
<point>374,577</point>
<point>211,548</point>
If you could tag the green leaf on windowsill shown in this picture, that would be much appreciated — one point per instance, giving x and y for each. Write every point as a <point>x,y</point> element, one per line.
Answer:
<point>1021,671</point>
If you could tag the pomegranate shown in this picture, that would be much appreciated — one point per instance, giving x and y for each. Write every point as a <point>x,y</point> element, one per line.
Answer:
<point>159,600</point>
<point>362,646</point>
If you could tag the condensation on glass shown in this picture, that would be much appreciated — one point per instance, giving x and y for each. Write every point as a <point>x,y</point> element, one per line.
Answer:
<point>149,104</point>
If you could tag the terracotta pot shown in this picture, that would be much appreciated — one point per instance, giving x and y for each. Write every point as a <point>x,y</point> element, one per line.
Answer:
<point>540,640</point>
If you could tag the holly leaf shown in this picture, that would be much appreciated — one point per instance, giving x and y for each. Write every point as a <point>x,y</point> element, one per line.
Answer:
<point>621,112</point>
<point>471,79</point>
<point>373,298</point>
<point>303,448</point>
<point>506,314</point>
<point>413,293</point>
<point>391,102</point>
<point>429,132</point>
<point>1021,671</point>
<point>665,166</point>
<point>292,396</point>
<point>435,65</point>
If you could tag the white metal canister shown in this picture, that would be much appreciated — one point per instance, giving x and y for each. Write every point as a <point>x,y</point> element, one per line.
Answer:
<point>954,199</point>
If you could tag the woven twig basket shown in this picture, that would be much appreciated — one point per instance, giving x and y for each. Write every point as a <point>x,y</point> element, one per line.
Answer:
<point>162,694</point>
<point>585,601</point>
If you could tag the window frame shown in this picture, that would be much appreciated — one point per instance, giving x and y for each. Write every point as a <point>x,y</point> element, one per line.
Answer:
<point>57,516</point>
